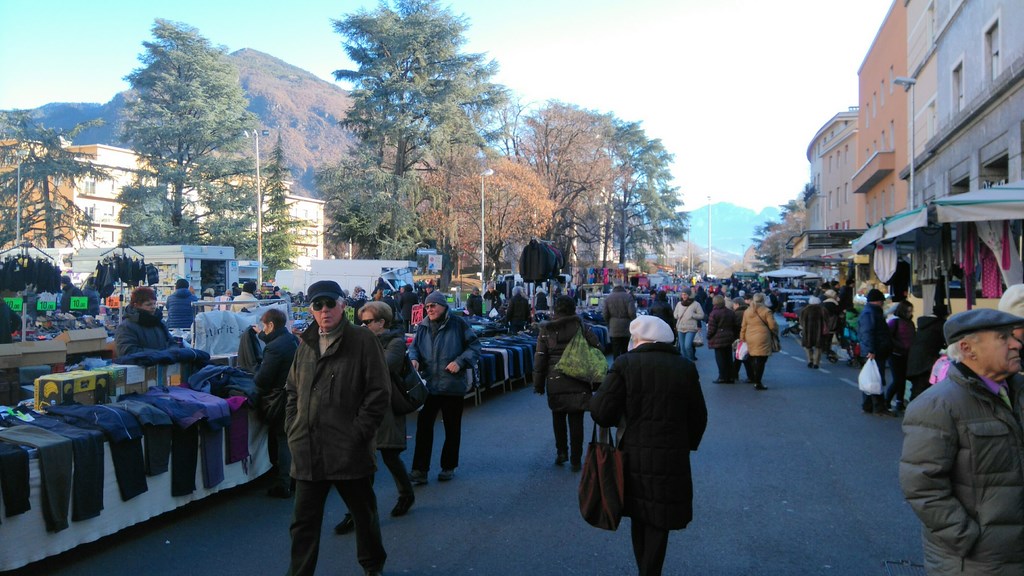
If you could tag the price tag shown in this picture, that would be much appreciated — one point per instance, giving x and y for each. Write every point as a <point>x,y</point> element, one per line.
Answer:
<point>14,303</point>
<point>51,305</point>
<point>79,302</point>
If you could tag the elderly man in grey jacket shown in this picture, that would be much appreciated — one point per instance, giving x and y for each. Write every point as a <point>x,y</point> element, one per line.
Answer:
<point>618,309</point>
<point>962,467</point>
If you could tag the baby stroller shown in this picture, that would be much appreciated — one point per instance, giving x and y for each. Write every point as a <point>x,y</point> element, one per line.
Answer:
<point>851,344</point>
<point>792,324</point>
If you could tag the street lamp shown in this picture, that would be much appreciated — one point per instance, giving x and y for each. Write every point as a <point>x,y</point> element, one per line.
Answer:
<point>259,208</point>
<point>709,235</point>
<point>483,260</point>
<point>908,85</point>
<point>21,154</point>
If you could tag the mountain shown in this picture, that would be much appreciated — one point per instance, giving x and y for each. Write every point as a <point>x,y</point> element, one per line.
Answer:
<point>732,227</point>
<point>300,108</point>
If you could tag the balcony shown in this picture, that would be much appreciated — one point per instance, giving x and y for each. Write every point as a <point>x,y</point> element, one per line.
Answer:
<point>880,165</point>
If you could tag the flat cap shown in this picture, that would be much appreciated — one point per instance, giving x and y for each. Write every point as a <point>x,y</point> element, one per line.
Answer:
<point>977,320</point>
<point>324,289</point>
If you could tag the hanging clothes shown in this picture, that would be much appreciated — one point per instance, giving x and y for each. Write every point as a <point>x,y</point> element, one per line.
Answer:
<point>996,236</point>
<point>991,276</point>
<point>885,258</point>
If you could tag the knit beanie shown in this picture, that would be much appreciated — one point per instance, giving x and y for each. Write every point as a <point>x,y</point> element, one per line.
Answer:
<point>436,298</point>
<point>875,295</point>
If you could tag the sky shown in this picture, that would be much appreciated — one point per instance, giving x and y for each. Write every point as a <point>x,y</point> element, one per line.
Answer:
<point>734,89</point>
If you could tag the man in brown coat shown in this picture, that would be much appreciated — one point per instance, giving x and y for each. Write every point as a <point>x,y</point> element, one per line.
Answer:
<point>619,309</point>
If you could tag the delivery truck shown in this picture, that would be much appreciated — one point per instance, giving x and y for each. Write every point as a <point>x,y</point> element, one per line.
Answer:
<point>367,274</point>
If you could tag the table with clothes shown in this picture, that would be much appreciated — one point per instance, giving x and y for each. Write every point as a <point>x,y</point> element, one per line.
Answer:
<point>78,473</point>
<point>505,360</point>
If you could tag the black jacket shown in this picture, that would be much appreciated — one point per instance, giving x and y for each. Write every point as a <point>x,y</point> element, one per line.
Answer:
<point>928,341</point>
<point>664,311</point>
<point>658,391</point>
<point>518,309</point>
<point>565,394</point>
<point>277,359</point>
<point>9,322</point>
<point>475,305</point>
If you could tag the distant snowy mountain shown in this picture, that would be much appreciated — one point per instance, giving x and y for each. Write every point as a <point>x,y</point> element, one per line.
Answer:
<point>732,227</point>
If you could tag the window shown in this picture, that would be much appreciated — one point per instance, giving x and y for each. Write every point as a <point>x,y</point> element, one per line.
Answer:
<point>882,92</point>
<point>89,187</point>
<point>892,135</point>
<point>958,87</point>
<point>992,51</point>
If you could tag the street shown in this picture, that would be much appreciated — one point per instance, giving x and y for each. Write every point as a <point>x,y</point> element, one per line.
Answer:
<point>790,481</point>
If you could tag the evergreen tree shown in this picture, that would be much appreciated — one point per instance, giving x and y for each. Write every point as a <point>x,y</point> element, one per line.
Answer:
<point>279,227</point>
<point>187,119</point>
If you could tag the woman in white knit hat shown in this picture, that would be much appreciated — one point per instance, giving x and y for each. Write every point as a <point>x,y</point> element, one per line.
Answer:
<point>657,392</point>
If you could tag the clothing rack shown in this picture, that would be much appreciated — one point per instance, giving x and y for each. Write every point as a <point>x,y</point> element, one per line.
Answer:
<point>25,249</point>
<point>123,248</point>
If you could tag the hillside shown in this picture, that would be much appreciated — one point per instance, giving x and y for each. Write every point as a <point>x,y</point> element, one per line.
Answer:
<point>300,108</point>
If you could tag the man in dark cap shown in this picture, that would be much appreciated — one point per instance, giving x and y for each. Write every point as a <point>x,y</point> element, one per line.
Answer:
<point>179,305</point>
<point>962,469</point>
<point>876,344</point>
<point>338,390</point>
<point>444,349</point>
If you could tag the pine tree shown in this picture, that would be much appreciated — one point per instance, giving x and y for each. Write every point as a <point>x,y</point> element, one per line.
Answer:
<point>279,227</point>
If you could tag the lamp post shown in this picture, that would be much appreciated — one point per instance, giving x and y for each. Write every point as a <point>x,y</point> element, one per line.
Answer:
<point>483,260</point>
<point>709,235</point>
<point>908,85</point>
<point>21,154</point>
<point>259,209</point>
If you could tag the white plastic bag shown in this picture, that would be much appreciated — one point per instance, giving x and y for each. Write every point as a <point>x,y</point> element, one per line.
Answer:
<point>870,380</point>
<point>742,351</point>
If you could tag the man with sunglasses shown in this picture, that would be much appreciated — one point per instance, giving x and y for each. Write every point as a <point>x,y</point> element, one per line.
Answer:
<point>443,349</point>
<point>338,391</point>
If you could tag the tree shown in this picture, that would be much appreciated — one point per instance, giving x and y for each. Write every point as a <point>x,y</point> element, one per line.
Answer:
<point>187,119</point>
<point>279,227</point>
<point>411,79</point>
<point>48,214</point>
<point>645,205</point>
<point>770,239</point>
<point>568,148</point>
<point>515,208</point>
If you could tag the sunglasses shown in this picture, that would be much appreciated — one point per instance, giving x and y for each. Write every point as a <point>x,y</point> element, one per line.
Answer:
<point>364,322</point>
<point>320,304</point>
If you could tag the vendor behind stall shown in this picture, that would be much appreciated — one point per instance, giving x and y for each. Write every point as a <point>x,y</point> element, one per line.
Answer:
<point>142,328</point>
<point>9,322</point>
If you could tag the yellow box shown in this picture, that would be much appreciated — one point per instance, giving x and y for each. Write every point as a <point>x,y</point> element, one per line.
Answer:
<point>82,341</point>
<point>81,386</point>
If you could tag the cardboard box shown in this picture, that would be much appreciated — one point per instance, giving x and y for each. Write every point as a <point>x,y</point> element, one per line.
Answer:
<point>10,356</point>
<point>136,388</point>
<point>81,386</point>
<point>152,377</point>
<point>117,377</point>
<point>84,341</point>
<point>42,352</point>
<point>224,359</point>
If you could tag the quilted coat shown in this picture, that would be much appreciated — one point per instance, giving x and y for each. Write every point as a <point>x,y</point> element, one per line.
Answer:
<point>962,472</point>
<point>757,321</point>
<point>565,394</point>
<point>391,434</point>
<point>722,328</point>
<point>658,392</point>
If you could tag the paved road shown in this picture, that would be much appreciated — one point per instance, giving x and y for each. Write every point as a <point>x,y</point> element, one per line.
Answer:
<point>790,481</point>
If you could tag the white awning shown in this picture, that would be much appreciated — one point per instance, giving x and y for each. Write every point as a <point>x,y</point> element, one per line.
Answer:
<point>787,273</point>
<point>900,224</point>
<point>868,239</point>
<point>997,203</point>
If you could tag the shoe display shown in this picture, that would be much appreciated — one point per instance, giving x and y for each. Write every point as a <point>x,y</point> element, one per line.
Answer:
<point>446,475</point>
<point>418,477</point>
<point>279,492</point>
<point>345,526</point>
<point>403,505</point>
<point>562,458</point>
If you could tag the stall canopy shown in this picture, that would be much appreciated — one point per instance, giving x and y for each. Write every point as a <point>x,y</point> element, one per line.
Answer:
<point>998,203</point>
<point>892,227</point>
<point>788,273</point>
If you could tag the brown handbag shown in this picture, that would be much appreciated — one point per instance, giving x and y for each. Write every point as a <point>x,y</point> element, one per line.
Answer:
<point>602,485</point>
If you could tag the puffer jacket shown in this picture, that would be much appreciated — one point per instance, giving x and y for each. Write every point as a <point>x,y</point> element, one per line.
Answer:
<point>873,332</point>
<point>391,434</point>
<point>179,308</point>
<point>687,316</point>
<point>565,393</point>
<point>721,327</point>
<point>658,391</point>
<point>437,344</point>
<point>132,337</point>
<point>618,309</point>
<point>335,404</point>
<point>758,323</point>
<point>962,472</point>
